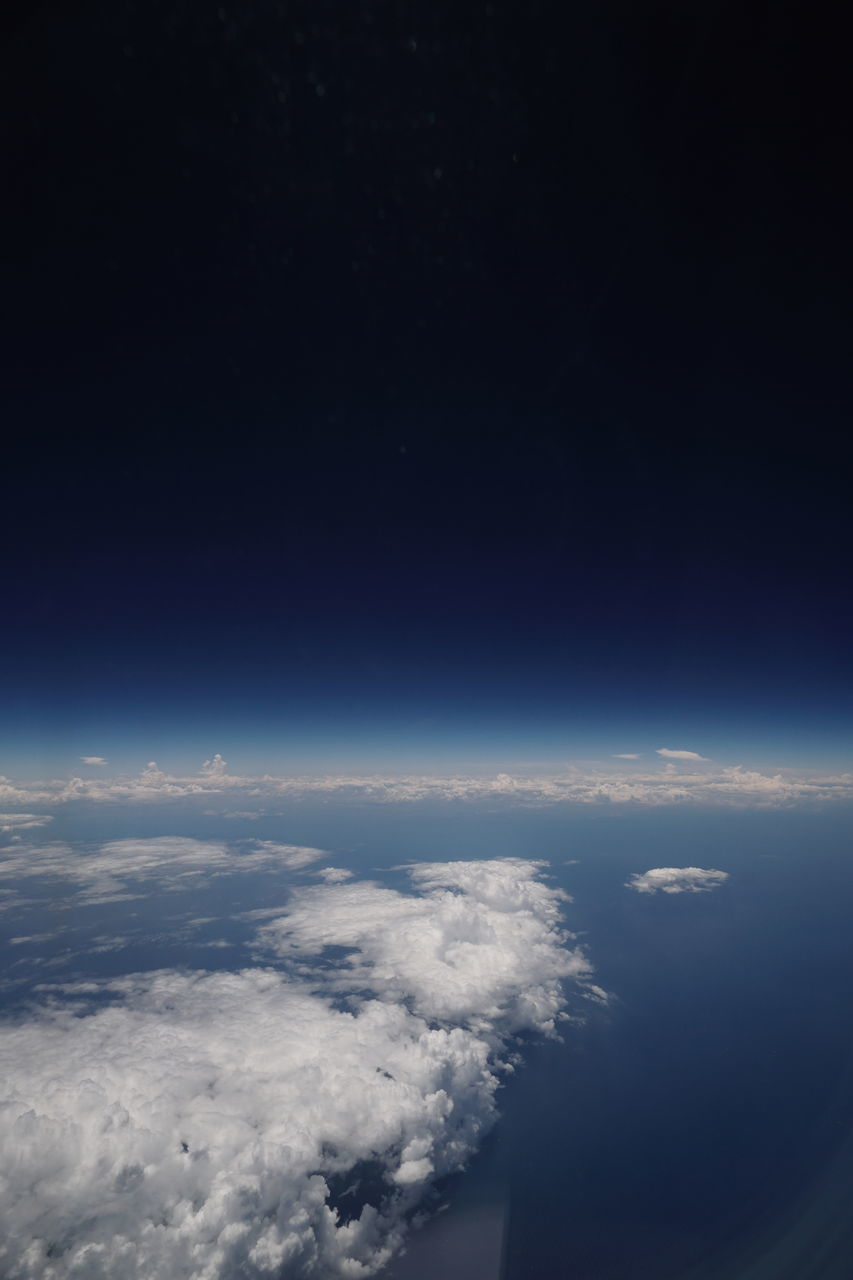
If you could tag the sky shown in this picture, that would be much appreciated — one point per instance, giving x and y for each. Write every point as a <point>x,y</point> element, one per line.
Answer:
<point>459,387</point>
<point>425,684</point>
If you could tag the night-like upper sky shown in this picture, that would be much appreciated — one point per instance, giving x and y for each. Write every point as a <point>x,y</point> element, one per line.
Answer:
<point>438,380</point>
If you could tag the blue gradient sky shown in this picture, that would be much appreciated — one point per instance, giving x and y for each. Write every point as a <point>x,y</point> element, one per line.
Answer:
<point>425,637</point>
<point>320,459</point>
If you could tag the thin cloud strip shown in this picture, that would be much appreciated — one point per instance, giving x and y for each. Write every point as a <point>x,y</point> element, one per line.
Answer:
<point>120,868</point>
<point>23,821</point>
<point>197,1126</point>
<point>669,754</point>
<point>677,880</point>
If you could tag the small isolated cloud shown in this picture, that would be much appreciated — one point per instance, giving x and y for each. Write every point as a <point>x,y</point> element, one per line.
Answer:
<point>334,875</point>
<point>23,821</point>
<point>626,755</point>
<point>679,755</point>
<point>676,880</point>
<point>94,760</point>
<point>191,1124</point>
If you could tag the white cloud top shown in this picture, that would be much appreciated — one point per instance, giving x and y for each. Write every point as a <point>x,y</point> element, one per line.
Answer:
<point>94,760</point>
<point>455,951</point>
<point>193,1125</point>
<point>676,880</point>
<point>666,785</point>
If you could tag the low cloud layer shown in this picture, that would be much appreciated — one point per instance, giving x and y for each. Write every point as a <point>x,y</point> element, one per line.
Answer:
<point>206,1125</point>
<point>676,880</point>
<point>667,785</point>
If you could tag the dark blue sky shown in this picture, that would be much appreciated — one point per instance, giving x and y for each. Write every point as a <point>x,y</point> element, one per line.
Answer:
<point>426,375</point>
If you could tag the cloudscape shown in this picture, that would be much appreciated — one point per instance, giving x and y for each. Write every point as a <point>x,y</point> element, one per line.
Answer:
<point>426,699</point>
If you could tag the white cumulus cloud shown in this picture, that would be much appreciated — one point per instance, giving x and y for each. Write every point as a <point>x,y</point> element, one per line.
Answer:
<point>676,880</point>
<point>94,760</point>
<point>455,950</point>
<point>199,1126</point>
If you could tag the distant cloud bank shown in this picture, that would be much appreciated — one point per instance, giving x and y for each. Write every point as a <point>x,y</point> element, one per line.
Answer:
<point>206,1125</point>
<point>666,785</point>
<point>677,880</point>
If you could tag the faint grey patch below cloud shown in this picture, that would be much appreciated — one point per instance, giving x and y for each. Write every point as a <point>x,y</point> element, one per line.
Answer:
<point>671,754</point>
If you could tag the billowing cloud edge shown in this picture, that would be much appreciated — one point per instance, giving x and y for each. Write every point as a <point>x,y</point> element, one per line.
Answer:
<point>668,785</point>
<point>200,1125</point>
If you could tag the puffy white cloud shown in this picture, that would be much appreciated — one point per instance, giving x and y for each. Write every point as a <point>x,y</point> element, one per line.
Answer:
<point>120,869</point>
<point>23,821</point>
<point>175,1125</point>
<point>667,785</point>
<point>676,880</point>
<point>455,950</point>
<point>679,755</point>
<point>94,760</point>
